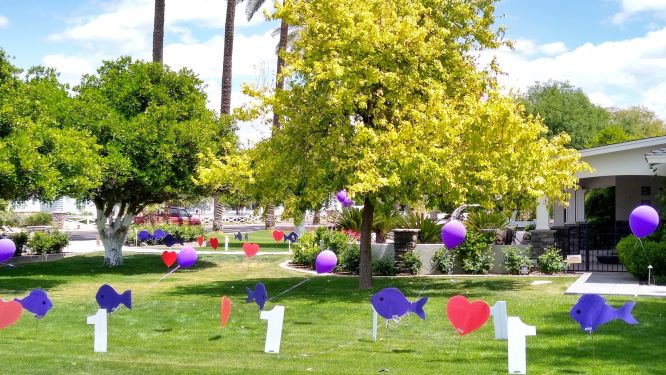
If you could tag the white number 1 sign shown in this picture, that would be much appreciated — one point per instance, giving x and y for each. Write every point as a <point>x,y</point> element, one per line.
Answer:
<point>275,317</point>
<point>99,320</point>
<point>517,331</point>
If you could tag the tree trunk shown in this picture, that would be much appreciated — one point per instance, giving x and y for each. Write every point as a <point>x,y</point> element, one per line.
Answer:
<point>158,31</point>
<point>218,213</point>
<point>365,259</point>
<point>316,218</point>
<point>279,81</point>
<point>225,105</point>
<point>113,233</point>
<point>270,216</point>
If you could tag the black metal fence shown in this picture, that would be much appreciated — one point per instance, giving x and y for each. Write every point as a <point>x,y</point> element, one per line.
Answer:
<point>597,249</point>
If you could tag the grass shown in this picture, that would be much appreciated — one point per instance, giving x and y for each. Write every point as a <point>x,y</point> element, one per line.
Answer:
<point>174,325</point>
<point>263,237</point>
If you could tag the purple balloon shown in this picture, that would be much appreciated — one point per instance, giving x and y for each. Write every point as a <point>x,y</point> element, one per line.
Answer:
<point>643,221</point>
<point>348,203</point>
<point>7,249</point>
<point>453,233</point>
<point>326,261</point>
<point>187,256</point>
<point>342,195</point>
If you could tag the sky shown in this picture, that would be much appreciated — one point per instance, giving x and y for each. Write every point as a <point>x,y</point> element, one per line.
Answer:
<point>615,50</point>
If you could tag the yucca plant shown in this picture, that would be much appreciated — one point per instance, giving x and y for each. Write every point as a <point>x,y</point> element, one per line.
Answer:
<point>486,220</point>
<point>429,230</point>
<point>385,222</point>
<point>350,219</point>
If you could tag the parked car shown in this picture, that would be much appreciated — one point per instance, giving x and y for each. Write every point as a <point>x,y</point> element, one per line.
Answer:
<point>176,215</point>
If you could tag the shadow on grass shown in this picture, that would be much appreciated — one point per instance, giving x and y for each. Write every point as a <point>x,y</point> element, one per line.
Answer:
<point>139,264</point>
<point>331,289</point>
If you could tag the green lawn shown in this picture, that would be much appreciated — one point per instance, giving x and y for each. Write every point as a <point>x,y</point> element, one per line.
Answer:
<point>263,237</point>
<point>174,326</point>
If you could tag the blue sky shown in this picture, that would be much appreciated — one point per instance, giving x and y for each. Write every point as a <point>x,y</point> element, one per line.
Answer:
<point>614,49</point>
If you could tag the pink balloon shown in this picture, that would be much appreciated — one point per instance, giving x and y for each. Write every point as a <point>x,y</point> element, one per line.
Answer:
<point>453,233</point>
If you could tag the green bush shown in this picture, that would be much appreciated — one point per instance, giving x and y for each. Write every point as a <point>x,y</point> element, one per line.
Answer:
<point>20,240</point>
<point>516,258</point>
<point>48,243</point>
<point>187,233</point>
<point>304,252</point>
<point>384,267</point>
<point>385,222</point>
<point>333,240</point>
<point>429,230</point>
<point>38,218</point>
<point>444,259</point>
<point>412,262</point>
<point>476,253</point>
<point>349,260</point>
<point>551,261</point>
<point>632,257</point>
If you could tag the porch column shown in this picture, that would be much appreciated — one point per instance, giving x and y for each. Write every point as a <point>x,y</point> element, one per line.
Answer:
<point>580,205</point>
<point>542,217</point>
<point>571,209</point>
<point>558,215</point>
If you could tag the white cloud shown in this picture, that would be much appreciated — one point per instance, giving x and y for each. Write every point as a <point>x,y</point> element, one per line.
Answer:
<point>71,68</point>
<point>555,48</point>
<point>601,99</point>
<point>4,22</point>
<point>631,8</point>
<point>620,73</point>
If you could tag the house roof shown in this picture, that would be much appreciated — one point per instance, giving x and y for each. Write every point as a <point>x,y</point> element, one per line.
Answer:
<point>630,145</point>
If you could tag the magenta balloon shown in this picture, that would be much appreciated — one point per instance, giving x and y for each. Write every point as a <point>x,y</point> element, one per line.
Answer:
<point>7,249</point>
<point>643,221</point>
<point>187,256</point>
<point>342,196</point>
<point>326,261</point>
<point>453,233</point>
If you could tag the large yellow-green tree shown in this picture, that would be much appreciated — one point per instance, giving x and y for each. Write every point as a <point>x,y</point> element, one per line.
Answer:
<point>384,98</point>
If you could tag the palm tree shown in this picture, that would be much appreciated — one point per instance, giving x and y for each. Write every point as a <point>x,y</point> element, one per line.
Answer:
<point>158,31</point>
<point>225,102</point>
<point>252,8</point>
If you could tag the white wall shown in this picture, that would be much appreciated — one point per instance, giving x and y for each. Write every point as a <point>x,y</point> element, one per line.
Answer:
<point>628,194</point>
<point>627,162</point>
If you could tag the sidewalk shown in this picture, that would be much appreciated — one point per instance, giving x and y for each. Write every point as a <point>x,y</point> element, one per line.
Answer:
<point>614,283</point>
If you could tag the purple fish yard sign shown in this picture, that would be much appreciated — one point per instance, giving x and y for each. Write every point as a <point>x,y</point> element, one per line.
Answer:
<point>258,295</point>
<point>390,303</point>
<point>110,300</point>
<point>37,303</point>
<point>591,311</point>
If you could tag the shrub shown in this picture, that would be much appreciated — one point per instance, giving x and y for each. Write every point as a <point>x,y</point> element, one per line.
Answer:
<point>632,257</point>
<point>476,253</point>
<point>551,261</point>
<point>429,230</point>
<point>349,260</point>
<point>304,252</point>
<point>333,240</point>
<point>48,243</point>
<point>38,218</point>
<point>412,262</point>
<point>516,258</point>
<point>384,267</point>
<point>444,259</point>
<point>20,240</point>
<point>385,222</point>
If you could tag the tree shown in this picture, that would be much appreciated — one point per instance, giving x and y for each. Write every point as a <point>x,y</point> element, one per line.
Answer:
<point>384,99</point>
<point>253,7</point>
<point>40,155</point>
<point>637,122</point>
<point>566,109</point>
<point>152,128</point>
<point>158,31</point>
